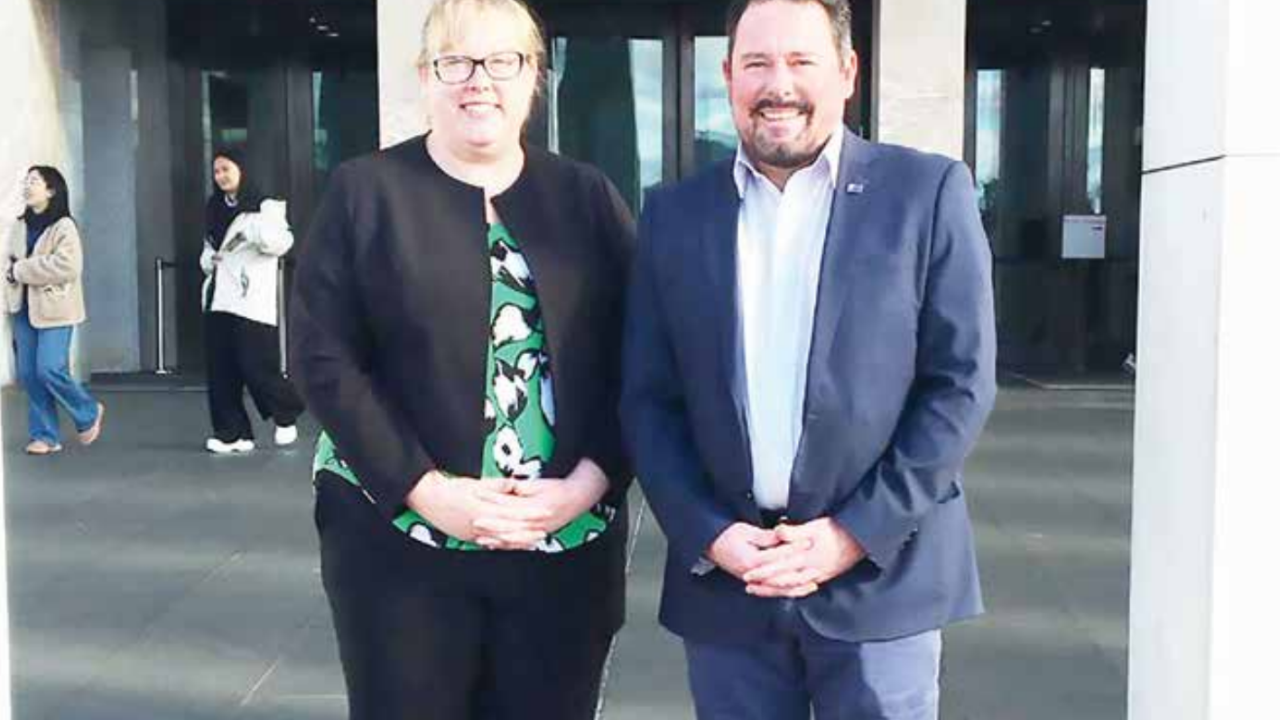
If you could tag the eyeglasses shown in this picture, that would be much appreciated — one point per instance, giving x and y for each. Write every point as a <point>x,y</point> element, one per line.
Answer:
<point>457,69</point>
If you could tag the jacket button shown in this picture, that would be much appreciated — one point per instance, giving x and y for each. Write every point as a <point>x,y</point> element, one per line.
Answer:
<point>749,495</point>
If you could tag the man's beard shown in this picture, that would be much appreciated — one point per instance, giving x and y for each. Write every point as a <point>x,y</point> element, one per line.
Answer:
<point>787,154</point>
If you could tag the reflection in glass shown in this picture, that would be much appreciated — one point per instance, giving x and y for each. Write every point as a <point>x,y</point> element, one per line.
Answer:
<point>715,136</point>
<point>605,107</point>
<point>344,107</point>
<point>989,136</point>
<point>224,116</point>
<point>1012,126</point>
<point>134,107</point>
<point>1097,123</point>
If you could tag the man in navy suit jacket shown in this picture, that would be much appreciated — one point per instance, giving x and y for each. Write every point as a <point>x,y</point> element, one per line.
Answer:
<point>809,358</point>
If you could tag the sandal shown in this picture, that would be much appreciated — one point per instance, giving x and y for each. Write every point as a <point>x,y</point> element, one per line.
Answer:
<point>88,435</point>
<point>41,447</point>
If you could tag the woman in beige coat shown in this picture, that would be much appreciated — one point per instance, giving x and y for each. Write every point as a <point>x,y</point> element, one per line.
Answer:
<point>46,299</point>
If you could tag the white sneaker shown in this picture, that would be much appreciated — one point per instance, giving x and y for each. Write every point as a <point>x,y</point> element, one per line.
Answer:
<point>286,434</point>
<point>216,446</point>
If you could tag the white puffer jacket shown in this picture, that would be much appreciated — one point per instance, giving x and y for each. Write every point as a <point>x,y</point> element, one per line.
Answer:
<point>247,271</point>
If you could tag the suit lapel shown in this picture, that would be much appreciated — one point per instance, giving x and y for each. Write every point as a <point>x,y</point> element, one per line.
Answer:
<point>855,188</point>
<point>719,235</point>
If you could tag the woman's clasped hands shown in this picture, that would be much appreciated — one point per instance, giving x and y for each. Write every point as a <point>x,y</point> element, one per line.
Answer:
<point>506,513</point>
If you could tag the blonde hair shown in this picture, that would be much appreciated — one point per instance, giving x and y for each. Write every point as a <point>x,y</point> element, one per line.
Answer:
<point>449,20</point>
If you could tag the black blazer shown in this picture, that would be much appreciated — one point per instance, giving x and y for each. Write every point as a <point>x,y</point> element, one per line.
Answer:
<point>389,320</point>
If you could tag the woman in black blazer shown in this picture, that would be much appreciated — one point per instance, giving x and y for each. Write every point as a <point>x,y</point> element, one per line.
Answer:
<point>456,326</point>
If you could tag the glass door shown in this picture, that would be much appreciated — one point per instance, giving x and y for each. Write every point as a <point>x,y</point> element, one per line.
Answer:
<point>714,135</point>
<point>243,110</point>
<point>292,87</point>
<point>609,97</point>
<point>605,106</point>
<point>1055,132</point>
<point>636,88</point>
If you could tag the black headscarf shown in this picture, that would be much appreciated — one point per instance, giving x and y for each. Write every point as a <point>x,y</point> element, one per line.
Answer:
<point>218,213</point>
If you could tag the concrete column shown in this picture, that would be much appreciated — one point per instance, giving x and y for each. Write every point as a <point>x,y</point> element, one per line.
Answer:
<point>109,219</point>
<point>401,111</point>
<point>35,134</point>
<point>30,133</point>
<point>918,89</point>
<point>1206,481</point>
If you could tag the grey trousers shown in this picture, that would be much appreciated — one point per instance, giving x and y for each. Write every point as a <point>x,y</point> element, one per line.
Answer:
<point>802,674</point>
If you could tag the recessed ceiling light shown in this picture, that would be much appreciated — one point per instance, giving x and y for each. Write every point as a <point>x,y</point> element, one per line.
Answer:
<point>322,27</point>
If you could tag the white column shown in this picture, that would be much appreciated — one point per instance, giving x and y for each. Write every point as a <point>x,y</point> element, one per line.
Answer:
<point>918,90</point>
<point>400,106</point>
<point>31,133</point>
<point>1204,593</point>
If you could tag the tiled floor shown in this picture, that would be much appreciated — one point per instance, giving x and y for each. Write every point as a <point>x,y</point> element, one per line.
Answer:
<point>150,580</point>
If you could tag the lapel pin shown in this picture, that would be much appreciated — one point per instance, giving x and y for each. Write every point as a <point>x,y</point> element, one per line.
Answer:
<point>854,188</point>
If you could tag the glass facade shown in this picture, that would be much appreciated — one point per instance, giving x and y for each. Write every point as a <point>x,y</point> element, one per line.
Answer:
<point>1055,112</point>
<point>634,87</point>
<point>714,135</point>
<point>605,106</point>
<point>292,87</point>
<point>344,115</point>
<point>1097,130</point>
<point>989,134</point>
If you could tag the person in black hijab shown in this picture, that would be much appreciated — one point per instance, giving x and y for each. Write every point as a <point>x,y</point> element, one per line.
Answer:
<point>245,235</point>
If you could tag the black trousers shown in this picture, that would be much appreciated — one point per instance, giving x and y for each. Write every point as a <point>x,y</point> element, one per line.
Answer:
<point>428,634</point>
<point>242,353</point>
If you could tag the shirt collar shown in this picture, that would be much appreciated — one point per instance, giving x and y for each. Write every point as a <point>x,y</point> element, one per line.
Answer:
<point>829,158</point>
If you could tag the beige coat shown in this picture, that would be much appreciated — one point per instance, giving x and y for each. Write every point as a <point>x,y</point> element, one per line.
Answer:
<point>50,276</point>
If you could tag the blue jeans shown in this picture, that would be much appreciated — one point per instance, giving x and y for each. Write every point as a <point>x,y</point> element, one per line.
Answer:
<point>802,675</point>
<point>42,369</point>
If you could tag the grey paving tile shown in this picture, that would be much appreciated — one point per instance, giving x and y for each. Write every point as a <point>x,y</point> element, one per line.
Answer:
<point>151,580</point>
<point>646,676</point>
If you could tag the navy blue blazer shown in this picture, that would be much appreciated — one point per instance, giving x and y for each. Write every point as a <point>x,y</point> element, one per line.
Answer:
<point>901,379</point>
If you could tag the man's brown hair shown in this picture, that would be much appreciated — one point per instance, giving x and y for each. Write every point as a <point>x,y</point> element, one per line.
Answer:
<point>839,13</point>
